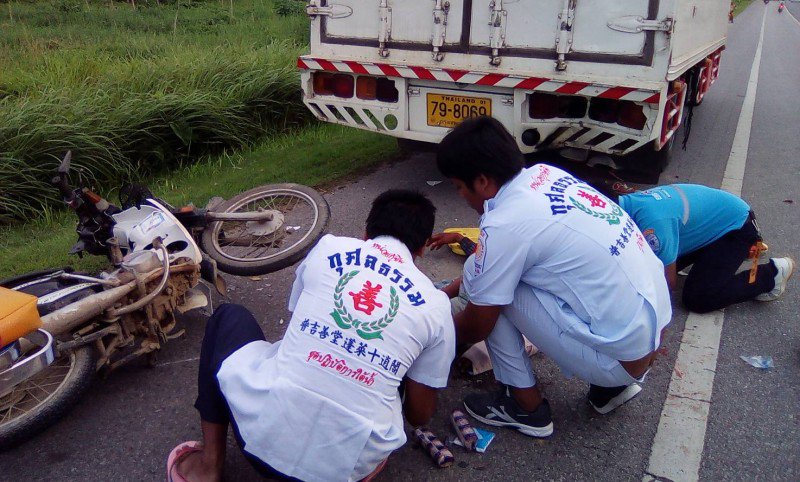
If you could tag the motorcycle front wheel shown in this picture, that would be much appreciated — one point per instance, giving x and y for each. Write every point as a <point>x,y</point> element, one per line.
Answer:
<point>247,248</point>
<point>43,399</point>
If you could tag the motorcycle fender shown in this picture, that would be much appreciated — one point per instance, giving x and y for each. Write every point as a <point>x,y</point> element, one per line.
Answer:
<point>194,299</point>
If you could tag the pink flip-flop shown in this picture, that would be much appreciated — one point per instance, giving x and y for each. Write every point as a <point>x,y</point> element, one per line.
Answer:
<point>177,454</point>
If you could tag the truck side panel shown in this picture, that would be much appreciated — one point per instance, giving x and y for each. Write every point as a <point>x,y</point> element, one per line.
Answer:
<point>701,27</point>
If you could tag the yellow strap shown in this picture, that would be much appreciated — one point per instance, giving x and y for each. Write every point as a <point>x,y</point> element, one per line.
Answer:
<point>755,252</point>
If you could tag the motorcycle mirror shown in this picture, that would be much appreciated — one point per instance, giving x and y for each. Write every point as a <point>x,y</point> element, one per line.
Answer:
<point>63,168</point>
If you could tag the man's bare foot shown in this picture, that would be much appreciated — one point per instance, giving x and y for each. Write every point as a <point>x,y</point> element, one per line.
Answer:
<point>196,467</point>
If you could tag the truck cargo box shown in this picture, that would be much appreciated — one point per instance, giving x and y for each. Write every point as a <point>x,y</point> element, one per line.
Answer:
<point>609,76</point>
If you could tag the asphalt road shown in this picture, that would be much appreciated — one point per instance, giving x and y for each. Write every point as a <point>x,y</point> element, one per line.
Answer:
<point>127,423</point>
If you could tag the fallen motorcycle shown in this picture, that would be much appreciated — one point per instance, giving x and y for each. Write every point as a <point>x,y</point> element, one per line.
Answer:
<point>59,328</point>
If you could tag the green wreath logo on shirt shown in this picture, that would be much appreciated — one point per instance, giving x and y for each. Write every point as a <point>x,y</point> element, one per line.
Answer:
<point>595,200</point>
<point>364,300</point>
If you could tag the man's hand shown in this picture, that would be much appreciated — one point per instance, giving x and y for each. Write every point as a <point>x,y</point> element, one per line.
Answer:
<point>451,290</point>
<point>419,404</point>
<point>476,322</point>
<point>441,239</point>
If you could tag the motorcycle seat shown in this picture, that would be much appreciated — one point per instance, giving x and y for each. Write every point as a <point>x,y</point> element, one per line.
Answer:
<point>18,315</point>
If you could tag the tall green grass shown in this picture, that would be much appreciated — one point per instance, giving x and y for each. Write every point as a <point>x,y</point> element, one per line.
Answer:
<point>136,91</point>
<point>315,155</point>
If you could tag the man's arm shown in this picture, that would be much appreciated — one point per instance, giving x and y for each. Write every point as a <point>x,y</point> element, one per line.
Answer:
<point>476,322</point>
<point>671,273</point>
<point>420,403</point>
<point>451,290</point>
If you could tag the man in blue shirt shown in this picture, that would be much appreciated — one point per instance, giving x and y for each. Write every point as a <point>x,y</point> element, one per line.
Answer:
<point>559,263</point>
<point>712,230</point>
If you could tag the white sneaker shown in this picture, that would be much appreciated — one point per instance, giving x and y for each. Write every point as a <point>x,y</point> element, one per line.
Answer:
<point>785,269</point>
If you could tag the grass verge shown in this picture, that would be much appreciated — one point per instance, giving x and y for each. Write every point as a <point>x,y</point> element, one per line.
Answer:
<point>740,6</point>
<point>316,155</point>
<point>137,91</point>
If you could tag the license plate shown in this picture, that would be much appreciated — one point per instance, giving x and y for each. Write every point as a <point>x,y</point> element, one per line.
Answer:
<point>445,110</point>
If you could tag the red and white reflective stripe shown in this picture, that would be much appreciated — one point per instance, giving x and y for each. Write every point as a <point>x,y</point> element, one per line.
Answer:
<point>482,78</point>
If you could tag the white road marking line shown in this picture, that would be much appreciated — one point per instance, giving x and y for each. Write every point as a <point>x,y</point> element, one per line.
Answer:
<point>678,446</point>
<point>177,361</point>
<point>734,171</point>
<point>793,17</point>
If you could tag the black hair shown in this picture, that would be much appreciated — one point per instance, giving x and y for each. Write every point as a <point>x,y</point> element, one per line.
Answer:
<point>479,145</point>
<point>402,214</point>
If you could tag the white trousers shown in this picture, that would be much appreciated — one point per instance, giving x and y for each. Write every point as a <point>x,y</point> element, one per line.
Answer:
<point>527,316</point>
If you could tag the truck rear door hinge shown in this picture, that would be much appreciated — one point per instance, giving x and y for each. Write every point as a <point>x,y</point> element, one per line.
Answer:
<point>313,10</point>
<point>564,39</point>
<point>497,29</point>
<point>638,24</point>
<point>440,11</point>
<point>385,33</point>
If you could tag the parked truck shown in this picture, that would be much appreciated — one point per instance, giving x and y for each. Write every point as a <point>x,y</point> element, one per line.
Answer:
<point>607,76</point>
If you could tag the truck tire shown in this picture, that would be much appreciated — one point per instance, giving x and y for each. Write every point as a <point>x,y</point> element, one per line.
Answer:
<point>645,165</point>
<point>693,84</point>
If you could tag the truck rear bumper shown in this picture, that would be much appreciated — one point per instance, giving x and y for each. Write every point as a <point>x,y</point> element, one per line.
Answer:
<point>510,98</point>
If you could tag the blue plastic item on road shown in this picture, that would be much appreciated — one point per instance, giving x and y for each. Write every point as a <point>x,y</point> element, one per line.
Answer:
<point>485,437</point>
<point>758,361</point>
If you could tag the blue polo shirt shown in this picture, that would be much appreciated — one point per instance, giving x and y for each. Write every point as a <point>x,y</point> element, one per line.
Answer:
<point>681,218</point>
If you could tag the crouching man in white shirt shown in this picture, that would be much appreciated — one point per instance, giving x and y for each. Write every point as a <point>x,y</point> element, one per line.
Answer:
<point>558,263</point>
<point>323,404</point>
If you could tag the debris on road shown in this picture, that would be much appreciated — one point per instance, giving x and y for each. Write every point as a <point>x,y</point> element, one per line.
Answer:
<point>758,361</point>
<point>485,437</point>
<point>436,449</point>
<point>464,430</point>
<point>433,183</point>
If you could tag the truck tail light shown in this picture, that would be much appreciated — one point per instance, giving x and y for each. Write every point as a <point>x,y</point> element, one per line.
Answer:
<point>322,84</point>
<point>340,85</point>
<point>386,91</point>
<point>367,88</point>
<point>631,115</point>
<point>604,110</point>
<point>542,106</point>
<point>548,106</point>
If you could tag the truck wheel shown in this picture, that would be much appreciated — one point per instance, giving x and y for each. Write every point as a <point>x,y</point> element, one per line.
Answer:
<point>693,84</point>
<point>646,164</point>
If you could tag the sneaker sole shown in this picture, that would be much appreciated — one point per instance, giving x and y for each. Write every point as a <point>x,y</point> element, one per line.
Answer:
<point>539,432</point>
<point>766,297</point>
<point>616,402</point>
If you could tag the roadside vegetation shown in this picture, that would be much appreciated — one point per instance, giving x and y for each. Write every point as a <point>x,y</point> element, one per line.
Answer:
<point>740,6</point>
<point>195,98</point>
<point>133,91</point>
<point>314,155</point>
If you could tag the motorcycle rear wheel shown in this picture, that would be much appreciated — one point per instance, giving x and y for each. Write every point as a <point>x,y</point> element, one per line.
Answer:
<point>247,248</point>
<point>43,399</point>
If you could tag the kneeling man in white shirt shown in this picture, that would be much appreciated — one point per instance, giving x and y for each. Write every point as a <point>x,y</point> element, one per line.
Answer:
<point>322,404</point>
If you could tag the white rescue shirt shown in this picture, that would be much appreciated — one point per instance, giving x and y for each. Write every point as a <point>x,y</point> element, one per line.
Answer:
<point>551,231</point>
<point>323,403</point>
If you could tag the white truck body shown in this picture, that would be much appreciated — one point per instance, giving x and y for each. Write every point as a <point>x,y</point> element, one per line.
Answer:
<point>604,75</point>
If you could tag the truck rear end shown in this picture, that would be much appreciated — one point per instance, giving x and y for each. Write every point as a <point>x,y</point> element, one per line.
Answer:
<point>610,77</point>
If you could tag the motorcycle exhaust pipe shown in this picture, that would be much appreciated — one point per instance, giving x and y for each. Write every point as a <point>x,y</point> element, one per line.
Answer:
<point>73,315</point>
